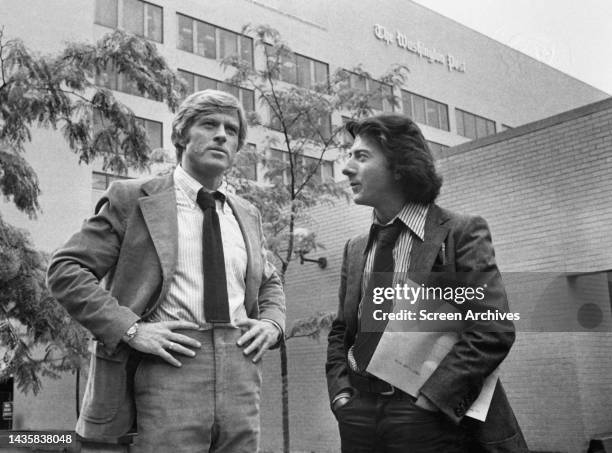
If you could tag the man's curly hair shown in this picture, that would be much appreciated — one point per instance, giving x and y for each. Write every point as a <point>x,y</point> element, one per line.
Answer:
<point>406,151</point>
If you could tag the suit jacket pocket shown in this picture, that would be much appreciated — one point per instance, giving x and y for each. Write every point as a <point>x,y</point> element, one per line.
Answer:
<point>514,444</point>
<point>106,385</point>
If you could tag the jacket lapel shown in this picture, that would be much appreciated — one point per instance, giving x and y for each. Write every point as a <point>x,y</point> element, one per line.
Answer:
<point>356,259</point>
<point>423,253</point>
<point>158,206</point>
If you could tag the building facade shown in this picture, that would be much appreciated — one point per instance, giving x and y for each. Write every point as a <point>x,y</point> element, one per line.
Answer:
<point>543,188</point>
<point>461,86</point>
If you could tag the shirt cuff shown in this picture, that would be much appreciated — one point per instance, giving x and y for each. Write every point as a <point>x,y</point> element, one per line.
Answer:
<point>342,394</point>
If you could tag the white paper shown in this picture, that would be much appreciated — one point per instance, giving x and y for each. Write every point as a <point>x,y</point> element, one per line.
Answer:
<point>406,359</point>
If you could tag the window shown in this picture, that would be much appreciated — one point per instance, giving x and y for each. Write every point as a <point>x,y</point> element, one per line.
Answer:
<point>106,13</point>
<point>279,160</point>
<point>473,126</point>
<point>154,131</point>
<point>358,82</point>
<point>302,71</point>
<point>274,121</point>
<point>246,162</point>
<point>322,125</point>
<point>138,17</point>
<point>185,38</point>
<point>324,172</point>
<point>101,181</point>
<point>213,42</point>
<point>382,91</point>
<point>118,81</point>
<point>197,82</point>
<point>228,43</point>
<point>327,170</point>
<point>303,67</point>
<point>425,111</point>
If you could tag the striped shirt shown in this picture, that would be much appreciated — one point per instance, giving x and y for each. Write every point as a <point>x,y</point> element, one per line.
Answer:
<point>185,299</point>
<point>413,216</point>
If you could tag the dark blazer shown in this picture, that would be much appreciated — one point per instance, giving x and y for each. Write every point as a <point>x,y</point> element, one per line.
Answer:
<point>131,245</point>
<point>457,381</point>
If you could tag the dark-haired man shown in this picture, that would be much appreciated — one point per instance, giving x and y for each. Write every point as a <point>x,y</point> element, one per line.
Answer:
<point>391,169</point>
<point>190,302</point>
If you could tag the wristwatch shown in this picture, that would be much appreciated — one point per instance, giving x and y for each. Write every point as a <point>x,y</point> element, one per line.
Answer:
<point>130,333</point>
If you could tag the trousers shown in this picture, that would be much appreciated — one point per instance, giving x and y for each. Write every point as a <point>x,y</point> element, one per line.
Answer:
<point>210,404</point>
<point>373,423</point>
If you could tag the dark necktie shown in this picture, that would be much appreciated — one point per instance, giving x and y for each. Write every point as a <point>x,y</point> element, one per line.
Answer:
<point>381,277</point>
<point>216,304</point>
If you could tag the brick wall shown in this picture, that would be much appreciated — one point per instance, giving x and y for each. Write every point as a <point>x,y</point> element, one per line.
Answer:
<point>545,190</point>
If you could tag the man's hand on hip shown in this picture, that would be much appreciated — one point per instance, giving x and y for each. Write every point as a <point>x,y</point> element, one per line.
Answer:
<point>158,338</point>
<point>259,337</point>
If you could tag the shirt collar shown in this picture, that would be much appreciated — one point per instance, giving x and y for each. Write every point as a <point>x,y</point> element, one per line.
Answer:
<point>190,186</point>
<point>412,215</point>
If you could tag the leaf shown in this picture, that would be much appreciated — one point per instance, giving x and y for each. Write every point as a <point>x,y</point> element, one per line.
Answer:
<point>30,320</point>
<point>18,182</point>
<point>313,326</point>
<point>57,92</point>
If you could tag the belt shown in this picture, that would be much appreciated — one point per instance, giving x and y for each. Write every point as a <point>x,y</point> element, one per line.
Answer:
<point>372,384</point>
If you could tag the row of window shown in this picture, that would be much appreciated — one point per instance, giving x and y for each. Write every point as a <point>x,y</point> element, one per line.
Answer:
<point>381,91</point>
<point>435,114</point>
<point>199,37</point>
<point>135,16</point>
<point>420,109</point>
<point>246,166</point>
<point>153,130</point>
<point>213,42</point>
<point>325,170</point>
<point>425,111</point>
<point>300,70</point>
<point>473,126</point>
<point>196,82</point>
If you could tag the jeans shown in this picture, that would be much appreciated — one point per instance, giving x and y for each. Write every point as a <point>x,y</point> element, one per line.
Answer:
<point>372,423</point>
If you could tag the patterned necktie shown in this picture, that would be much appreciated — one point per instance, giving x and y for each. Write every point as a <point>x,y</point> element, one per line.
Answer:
<point>381,277</point>
<point>216,304</point>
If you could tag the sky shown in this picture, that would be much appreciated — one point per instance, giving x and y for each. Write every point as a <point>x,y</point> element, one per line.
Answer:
<point>574,36</point>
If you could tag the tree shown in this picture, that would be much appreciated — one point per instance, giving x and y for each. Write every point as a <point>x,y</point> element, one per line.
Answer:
<point>60,92</point>
<point>300,119</point>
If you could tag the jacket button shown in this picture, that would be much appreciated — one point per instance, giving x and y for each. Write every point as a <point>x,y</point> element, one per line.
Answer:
<point>459,412</point>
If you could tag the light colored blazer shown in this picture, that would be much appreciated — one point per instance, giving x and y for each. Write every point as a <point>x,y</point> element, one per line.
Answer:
<point>130,245</point>
<point>457,381</point>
